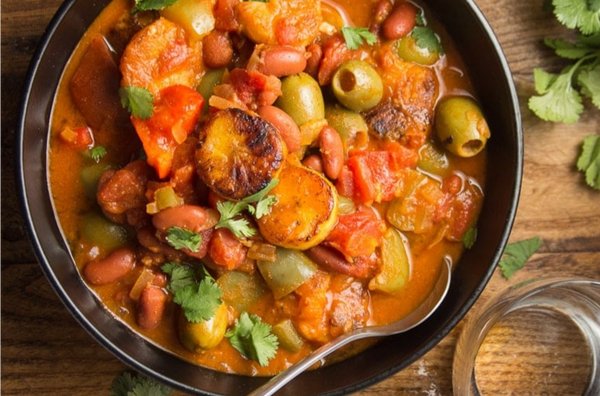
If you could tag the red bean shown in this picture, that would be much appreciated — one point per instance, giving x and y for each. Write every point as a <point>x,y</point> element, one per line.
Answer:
<point>284,124</point>
<point>111,268</point>
<point>313,162</point>
<point>314,60</point>
<point>217,50</point>
<point>280,60</point>
<point>400,22</point>
<point>331,259</point>
<point>151,307</point>
<point>332,152</point>
<point>189,217</point>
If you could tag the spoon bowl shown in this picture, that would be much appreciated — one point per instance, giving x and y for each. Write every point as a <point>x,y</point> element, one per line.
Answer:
<point>410,321</point>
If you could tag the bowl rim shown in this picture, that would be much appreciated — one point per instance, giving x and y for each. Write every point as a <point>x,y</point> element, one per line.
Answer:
<point>41,248</point>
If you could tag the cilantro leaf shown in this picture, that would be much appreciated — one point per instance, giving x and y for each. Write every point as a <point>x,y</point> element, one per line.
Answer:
<point>589,161</point>
<point>589,80</point>
<point>576,14</point>
<point>180,276</point>
<point>199,300</point>
<point>253,338</point>
<point>425,37</point>
<point>139,385</point>
<point>470,237</point>
<point>557,101</point>
<point>148,5</point>
<point>229,210</point>
<point>568,50</point>
<point>354,37</point>
<point>181,238</point>
<point>138,101</point>
<point>516,255</point>
<point>97,153</point>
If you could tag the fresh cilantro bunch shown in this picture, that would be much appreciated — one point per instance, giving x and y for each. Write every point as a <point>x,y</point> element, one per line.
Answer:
<point>559,96</point>
<point>194,290</point>
<point>253,338</point>
<point>127,384</point>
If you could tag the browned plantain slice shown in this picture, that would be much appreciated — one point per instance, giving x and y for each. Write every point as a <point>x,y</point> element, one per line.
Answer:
<point>238,154</point>
<point>305,212</point>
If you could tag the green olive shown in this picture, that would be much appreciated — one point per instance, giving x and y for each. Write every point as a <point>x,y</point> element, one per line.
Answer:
<point>461,126</point>
<point>410,51</point>
<point>211,79</point>
<point>301,98</point>
<point>103,233</point>
<point>357,85</point>
<point>204,335</point>
<point>347,122</point>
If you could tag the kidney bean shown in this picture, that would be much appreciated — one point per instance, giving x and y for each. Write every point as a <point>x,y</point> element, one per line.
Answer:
<point>284,124</point>
<point>332,151</point>
<point>313,162</point>
<point>331,259</point>
<point>189,217</point>
<point>313,62</point>
<point>151,307</point>
<point>217,49</point>
<point>382,10</point>
<point>280,60</point>
<point>400,22</point>
<point>111,268</point>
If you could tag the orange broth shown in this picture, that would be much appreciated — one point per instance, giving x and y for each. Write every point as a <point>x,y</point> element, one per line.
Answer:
<point>72,203</point>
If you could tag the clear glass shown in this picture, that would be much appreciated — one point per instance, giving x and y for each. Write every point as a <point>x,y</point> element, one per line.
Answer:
<point>554,304</point>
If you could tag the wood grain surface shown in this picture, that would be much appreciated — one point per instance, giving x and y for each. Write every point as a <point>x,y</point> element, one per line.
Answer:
<point>45,351</point>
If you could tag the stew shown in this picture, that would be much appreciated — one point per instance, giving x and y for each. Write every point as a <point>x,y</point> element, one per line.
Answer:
<point>242,181</point>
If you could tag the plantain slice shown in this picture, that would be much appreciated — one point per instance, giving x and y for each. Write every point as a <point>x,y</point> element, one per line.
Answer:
<point>305,212</point>
<point>238,153</point>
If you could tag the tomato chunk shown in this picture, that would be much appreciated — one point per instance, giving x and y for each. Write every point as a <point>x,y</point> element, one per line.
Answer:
<point>175,115</point>
<point>79,138</point>
<point>376,174</point>
<point>358,233</point>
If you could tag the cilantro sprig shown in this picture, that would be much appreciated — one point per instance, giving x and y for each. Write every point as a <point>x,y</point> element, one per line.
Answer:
<point>97,153</point>
<point>127,384</point>
<point>229,211</point>
<point>516,255</point>
<point>198,298</point>
<point>181,238</point>
<point>355,36</point>
<point>138,101</point>
<point>559,95</point>
<point>253,338</point>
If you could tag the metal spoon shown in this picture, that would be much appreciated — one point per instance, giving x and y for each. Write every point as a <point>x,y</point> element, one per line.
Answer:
<point>408,322</point>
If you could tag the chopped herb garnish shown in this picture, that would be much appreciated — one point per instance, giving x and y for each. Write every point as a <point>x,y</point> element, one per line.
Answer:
<point>149,5</point>
<point>240,227</point>
<point>198,299</point>
<point>355,36</point>
<point>138,101</point>
<point>127,384</point>
<point>97,153</point>
<point>253,338</point>
<point>181,238</point>
<point>470,237</point>
<point>426,38</point>
<point>516,255</point>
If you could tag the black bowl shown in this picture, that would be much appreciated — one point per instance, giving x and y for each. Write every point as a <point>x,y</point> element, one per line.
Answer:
<point>491,76</point>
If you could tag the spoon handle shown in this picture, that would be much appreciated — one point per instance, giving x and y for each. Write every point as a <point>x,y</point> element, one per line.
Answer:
<point>277,382</point>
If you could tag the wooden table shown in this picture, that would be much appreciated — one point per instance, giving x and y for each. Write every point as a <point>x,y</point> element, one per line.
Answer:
<point>45,352</point>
